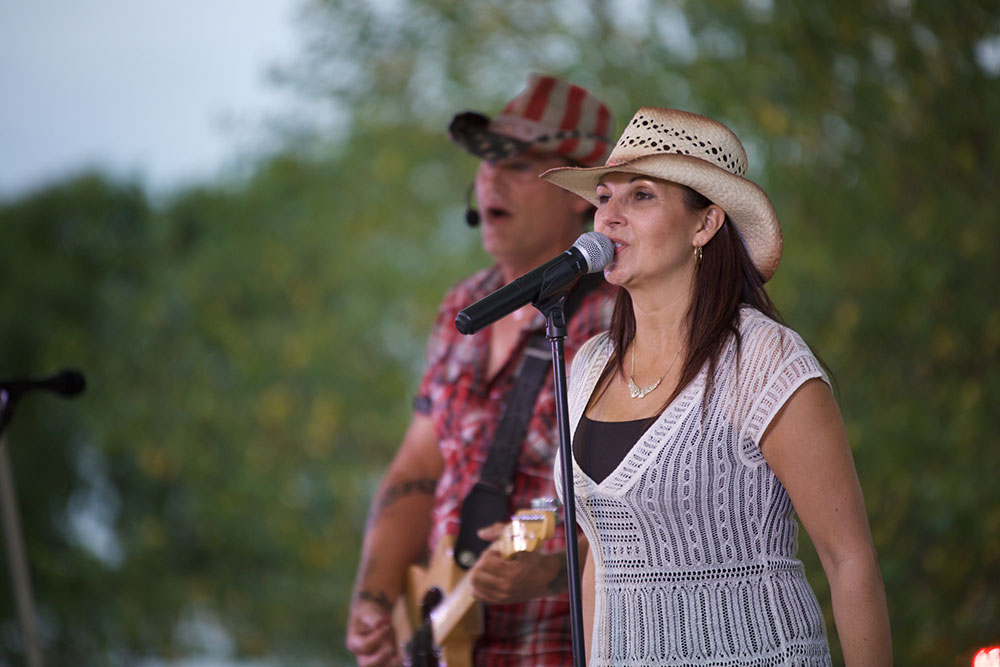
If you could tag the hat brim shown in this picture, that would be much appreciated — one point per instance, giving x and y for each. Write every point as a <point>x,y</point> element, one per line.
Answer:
<point>470,130</point>
<point>746,204</point>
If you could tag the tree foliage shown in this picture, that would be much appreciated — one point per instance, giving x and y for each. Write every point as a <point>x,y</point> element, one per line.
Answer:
<point>251,347</point>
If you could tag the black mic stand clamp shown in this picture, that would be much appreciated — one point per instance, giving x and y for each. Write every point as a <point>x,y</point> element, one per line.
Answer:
<point>555,331</point>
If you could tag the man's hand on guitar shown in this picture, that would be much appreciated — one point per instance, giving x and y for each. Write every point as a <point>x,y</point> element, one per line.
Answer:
<point>370,636</point>
<point>521,576</point>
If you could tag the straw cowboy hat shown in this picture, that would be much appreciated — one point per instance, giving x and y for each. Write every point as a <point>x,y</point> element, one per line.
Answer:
<point>700,153</point>
<point>550,115</point>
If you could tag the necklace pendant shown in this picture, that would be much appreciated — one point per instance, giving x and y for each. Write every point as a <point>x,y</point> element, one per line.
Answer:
<point>636,392</point>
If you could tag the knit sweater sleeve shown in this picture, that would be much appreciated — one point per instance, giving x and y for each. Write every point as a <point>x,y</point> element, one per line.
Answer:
<point>774,363</point>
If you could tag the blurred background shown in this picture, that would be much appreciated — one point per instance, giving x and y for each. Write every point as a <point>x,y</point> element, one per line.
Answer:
<point>248,292</point>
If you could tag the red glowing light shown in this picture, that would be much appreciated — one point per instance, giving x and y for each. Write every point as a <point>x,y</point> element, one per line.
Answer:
<point>987,657</point>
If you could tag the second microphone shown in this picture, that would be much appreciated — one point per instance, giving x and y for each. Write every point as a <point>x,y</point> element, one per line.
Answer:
<point>590,253</point>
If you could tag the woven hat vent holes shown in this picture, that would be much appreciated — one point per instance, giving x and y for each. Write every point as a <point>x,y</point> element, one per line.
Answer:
<point>708,151</point>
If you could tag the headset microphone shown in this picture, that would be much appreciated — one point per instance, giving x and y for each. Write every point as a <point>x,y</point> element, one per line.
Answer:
<point>471,214</point>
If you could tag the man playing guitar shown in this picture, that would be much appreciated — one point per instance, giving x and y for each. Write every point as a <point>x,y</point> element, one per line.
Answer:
<point>525,221</point>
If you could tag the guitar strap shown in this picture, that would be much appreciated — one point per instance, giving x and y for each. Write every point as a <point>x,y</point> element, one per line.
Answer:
<point>486,503</point>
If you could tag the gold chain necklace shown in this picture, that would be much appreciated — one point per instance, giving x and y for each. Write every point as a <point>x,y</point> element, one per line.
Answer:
<point>634,390</point>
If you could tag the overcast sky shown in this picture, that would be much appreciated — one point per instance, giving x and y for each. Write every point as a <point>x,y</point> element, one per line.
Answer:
<point>168,91</point>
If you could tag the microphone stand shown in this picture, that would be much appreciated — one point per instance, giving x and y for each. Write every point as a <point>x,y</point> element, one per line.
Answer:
<point>17,559</point>
<point>555,331</point>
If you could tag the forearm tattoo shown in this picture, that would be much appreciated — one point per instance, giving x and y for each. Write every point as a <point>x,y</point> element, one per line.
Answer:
<point>394,493</point>
<point>378,597</point>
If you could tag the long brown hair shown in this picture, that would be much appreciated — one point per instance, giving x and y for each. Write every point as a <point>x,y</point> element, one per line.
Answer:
<point>725,280</point>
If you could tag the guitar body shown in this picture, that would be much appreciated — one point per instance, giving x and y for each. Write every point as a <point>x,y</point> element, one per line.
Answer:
<point>436,620</point>
<point>426,587</point>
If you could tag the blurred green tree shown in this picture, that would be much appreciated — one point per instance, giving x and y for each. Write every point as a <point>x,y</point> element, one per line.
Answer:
<point>251,346</point>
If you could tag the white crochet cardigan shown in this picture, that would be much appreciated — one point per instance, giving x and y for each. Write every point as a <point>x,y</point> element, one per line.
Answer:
<point>693,537</point>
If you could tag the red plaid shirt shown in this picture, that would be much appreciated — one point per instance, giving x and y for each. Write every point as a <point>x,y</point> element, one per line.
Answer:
<point>466,407</point>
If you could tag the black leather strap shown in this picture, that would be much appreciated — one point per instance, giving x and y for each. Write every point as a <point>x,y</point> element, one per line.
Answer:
<point>486,503</point>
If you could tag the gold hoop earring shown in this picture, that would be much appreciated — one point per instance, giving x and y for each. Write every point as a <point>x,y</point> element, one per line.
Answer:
<point>697,254</point>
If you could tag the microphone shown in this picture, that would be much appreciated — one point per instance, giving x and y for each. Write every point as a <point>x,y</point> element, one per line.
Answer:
<point>471,214</point>
<point>590,253</point>
<point>471,217</point>
<point>67,382</point>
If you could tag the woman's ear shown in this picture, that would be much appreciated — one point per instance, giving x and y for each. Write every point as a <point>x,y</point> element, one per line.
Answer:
<point>711,222</point>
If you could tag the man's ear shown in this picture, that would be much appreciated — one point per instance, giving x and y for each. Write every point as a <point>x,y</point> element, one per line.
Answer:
<point>711,222</point>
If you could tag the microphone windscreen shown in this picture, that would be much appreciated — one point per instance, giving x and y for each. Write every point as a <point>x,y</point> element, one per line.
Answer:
<point>597,250</point>
<point>471,217</point>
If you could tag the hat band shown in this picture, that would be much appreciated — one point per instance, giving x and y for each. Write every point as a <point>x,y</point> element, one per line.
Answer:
<point>518,127</point>
<point>533,131</point>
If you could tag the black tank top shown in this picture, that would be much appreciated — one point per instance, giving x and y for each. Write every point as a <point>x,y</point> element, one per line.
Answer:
<point>599,447</point>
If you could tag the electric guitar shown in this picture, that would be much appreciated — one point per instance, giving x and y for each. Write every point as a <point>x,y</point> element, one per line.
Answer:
<point>437,621</point>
